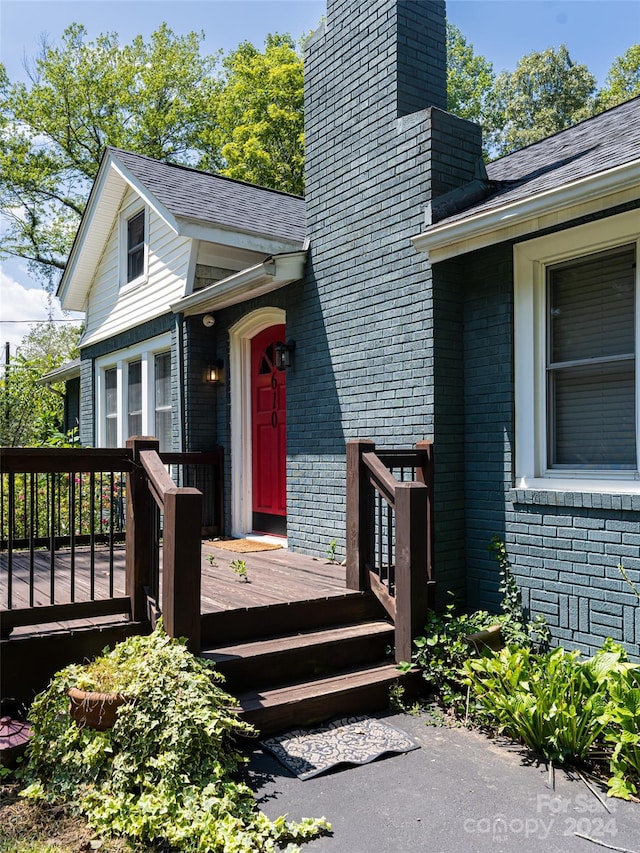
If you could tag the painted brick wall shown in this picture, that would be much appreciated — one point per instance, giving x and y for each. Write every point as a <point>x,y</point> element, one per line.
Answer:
<point>564,547</point>
<point>364,320</point>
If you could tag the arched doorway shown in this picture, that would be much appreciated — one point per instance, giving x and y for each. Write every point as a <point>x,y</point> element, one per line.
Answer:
<point>241,336</point>
<point>268,434</point>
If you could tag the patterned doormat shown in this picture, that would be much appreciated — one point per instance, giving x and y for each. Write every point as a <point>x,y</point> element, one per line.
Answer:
<point>244,546</point>
<point>352,740</point>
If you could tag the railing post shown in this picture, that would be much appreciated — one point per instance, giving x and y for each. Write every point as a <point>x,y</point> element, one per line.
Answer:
<point>139,535</point>
<point>411,566</point>
<point>181,565</point>
<point>358,515</point>
<point>425,475</point>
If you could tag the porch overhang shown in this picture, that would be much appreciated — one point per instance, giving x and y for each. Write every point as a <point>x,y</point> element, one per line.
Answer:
<point>67,371</point>
<point>271,274</point>
<point>544,210</point>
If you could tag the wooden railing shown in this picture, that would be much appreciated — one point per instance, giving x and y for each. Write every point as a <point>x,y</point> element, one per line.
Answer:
<point>150,485</point>
<point>63,513</point>
<point>390,533</point>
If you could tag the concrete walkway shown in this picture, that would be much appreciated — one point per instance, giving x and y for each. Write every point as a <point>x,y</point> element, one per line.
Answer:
<point>459,793</point>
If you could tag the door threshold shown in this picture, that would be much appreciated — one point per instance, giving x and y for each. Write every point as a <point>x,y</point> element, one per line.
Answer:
<point>268,538</point>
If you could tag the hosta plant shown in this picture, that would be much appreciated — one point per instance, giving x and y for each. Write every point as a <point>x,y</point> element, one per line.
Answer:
<point>166,773</point>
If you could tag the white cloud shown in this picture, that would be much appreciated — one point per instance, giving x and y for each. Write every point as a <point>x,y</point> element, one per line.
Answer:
<point>21,307</point>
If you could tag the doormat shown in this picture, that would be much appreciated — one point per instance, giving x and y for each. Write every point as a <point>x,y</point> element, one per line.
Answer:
<point>244,546</point>
<point>351,740</point>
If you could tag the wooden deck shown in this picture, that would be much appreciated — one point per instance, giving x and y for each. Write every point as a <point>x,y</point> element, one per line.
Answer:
<point>274,577</point>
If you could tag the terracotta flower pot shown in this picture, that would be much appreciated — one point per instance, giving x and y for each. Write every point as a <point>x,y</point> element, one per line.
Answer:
<point>491,638</point>
<point>94,710</point>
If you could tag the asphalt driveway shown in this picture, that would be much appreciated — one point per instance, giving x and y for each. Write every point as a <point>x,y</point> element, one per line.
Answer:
<point>459,793</point>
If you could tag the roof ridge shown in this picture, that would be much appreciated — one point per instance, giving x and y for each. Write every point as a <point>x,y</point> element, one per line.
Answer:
<point>564,130</point>
<point>185,168</point>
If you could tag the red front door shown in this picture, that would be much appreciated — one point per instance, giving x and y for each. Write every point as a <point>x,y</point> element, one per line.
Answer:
<point>268,434</point>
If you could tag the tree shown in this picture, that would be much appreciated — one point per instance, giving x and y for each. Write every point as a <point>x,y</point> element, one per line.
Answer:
<point>152,98</point>
<point>623,79</point>
<point>470,80</point>
<point>32,413</point>
<point>258,135</point>
<point>546,93</point>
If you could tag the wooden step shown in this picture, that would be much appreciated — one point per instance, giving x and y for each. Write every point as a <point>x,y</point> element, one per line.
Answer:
<point>354,691</point>
<point>305,655</point>
<point>269,620</point>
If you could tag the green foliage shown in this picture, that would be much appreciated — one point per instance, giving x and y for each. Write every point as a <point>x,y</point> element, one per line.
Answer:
<point>550,702</point>
<point>546,93</point>
<point>470,80</point>
<point>561,706</point>
<point>331,551</point>
<point>442,651</point>
<point>32,413</point>
<point>258,135</point>
<point>211,559</point>
<point>239,567</point>
<point>154,98</point>
<point>165,773</point>
<point>623,79</point>
<point>622,718</point>
<point>516,629</point>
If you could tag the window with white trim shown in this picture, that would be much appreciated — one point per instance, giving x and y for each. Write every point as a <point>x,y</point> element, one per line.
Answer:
<point>576,327</point>
<point>134,227</point>
<point>134,394</point>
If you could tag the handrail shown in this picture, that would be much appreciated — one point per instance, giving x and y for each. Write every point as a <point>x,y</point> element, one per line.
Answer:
<point>181,542</point>
<point>382,479</point>
<point>159,480</point>
<point>63,460</point>
<point>389,533</point>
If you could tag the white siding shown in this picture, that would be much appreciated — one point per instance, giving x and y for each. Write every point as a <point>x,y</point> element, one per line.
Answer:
<point>111,308</point>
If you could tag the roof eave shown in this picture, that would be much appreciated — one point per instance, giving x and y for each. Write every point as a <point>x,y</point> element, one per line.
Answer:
<point>273,273</point>
<point>546,209</point>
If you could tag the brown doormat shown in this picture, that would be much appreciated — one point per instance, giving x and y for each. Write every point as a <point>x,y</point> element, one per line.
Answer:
<point>244,546</point>
<point>351,740</point>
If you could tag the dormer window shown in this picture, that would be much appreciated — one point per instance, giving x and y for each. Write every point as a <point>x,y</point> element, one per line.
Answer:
<point>134,239</point>
<point>135,246</point>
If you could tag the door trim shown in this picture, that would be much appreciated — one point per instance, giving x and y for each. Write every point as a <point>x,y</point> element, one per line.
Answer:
<point>240,335</point>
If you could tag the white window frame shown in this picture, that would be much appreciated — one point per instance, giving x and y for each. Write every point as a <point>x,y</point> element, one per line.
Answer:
<point>126,214</point>
<point>531,260</point>
<point>146,353</point>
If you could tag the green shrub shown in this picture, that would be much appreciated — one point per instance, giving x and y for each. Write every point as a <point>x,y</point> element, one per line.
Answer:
<point>559,705</point>
<point>165,773</point>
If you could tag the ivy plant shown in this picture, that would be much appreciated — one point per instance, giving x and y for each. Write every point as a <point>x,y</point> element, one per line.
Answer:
<point>167,771</point>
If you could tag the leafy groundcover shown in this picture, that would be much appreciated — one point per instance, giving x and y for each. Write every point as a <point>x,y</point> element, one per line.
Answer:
<point>166,773</point>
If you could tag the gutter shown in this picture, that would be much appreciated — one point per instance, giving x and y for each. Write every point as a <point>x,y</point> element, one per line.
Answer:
<point>548,208</point>
<point>273,273</point>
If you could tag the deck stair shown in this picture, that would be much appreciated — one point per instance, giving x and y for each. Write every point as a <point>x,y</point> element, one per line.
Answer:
<point>297,664</point>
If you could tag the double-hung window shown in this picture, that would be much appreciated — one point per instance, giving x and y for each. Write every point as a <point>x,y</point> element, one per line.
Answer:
<point>576,333</point>
<point>134,227</point>
<point>135,246</point>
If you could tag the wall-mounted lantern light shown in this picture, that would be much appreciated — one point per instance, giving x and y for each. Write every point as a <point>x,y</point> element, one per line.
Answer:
<point>208,321</point>
<point>284,354</point>
<point>214,372</point>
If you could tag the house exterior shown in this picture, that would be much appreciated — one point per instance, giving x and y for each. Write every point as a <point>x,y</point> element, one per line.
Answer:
<point>413,294</point>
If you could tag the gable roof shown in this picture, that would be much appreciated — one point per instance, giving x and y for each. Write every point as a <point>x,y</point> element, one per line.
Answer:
<point>193,203</point>
<point>582,165</point>
<point>204,197</point>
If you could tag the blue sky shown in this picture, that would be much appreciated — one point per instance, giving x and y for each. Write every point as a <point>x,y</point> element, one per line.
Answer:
<point>595,32</point>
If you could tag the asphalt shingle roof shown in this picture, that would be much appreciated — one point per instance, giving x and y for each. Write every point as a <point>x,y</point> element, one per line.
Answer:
<point>603,142</point>
<point>213,199</point>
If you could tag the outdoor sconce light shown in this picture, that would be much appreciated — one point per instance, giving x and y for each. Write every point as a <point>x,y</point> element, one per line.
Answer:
<point>208,321</point>
<point>214,372</point>
<point>284,354</point>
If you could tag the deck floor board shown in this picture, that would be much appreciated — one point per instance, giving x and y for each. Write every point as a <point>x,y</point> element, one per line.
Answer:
<point>274,577</point>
